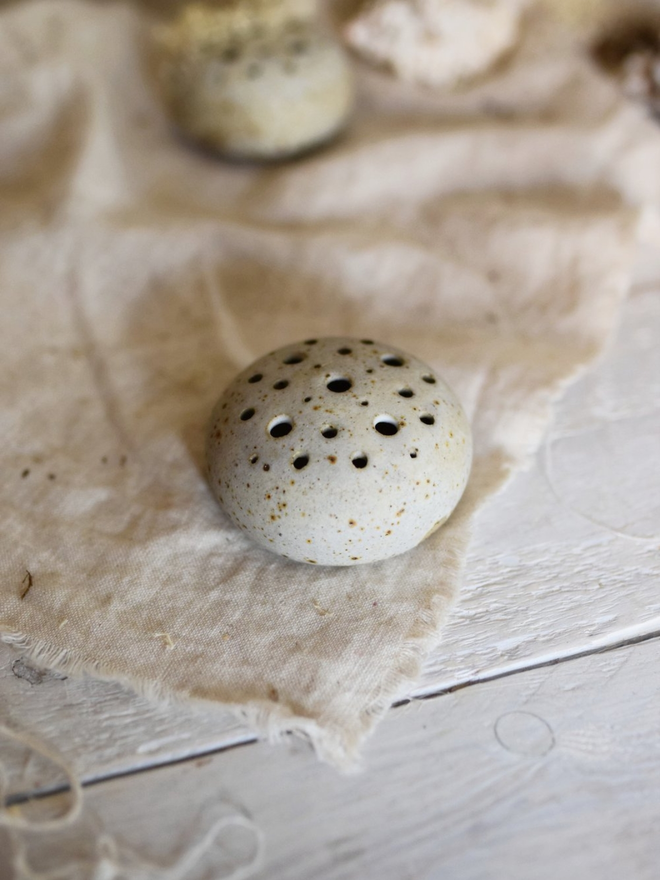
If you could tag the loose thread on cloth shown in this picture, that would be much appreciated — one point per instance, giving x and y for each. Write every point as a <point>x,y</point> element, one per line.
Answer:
<point>115,862</point>
<point>11,817</point>
<point>112,860</point>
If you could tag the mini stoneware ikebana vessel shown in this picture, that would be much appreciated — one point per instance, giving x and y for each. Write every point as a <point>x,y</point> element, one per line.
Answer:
<point>253,79</point>
<point>338,451</point>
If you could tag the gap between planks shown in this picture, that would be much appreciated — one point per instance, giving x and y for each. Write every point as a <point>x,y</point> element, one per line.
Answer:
<point>603,647</point>
<point>625,637</point>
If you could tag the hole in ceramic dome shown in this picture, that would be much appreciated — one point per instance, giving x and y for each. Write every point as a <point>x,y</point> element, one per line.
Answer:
<point>311,341</point>
<point>296,358</point>
<point>386,425</point>
<point>247,414</point>
<point>280,426</point>
<point>359,460</point>
<point>392,360</point>
<point>307,400</point>
<point>283,383</point>
<point>406,392</point>
<point>256,378</point>
<point>364,403</point>
<point>329,431</point>
<point>428,378</point>
<point>300,461</point>
<point>339,385</point>
<point>344,351</point>
<point>367,341</point>
<point>427,419</point>
<point>254,458</point>
<point>413,454</point>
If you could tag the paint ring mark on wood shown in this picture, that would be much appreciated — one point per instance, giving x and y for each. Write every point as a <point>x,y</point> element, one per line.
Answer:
<point>524,733</point>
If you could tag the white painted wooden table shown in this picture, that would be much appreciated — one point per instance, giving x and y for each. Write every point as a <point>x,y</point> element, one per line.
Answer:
<point>530,749</point>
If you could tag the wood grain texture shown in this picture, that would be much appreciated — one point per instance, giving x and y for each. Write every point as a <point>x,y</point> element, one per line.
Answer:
<point>565,560</point>
<point>547,773</point>
<point>100,727</point>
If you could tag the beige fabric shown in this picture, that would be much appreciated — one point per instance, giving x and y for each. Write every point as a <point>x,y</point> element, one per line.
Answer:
<point>481,231</point>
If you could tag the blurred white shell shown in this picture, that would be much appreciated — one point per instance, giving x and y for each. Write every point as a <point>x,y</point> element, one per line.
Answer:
<point>338,451</point>
<point>257,86</point>
<point>436,42</point>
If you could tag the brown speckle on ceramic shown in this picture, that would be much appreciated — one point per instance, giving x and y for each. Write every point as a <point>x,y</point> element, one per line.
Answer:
<point>371,481</point>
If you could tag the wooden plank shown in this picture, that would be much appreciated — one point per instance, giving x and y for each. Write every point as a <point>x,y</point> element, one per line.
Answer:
<point>100,727</point>
<point>547,773</point>
<point>567,559</point>
<point>546,577</point>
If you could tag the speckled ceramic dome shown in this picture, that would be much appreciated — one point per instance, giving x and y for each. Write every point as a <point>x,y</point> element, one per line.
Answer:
<point>252,84</point>
<point>338,451</point>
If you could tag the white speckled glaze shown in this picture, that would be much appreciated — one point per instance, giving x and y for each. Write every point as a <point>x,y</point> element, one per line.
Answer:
<point>261,98</point>
<point>335,508</point>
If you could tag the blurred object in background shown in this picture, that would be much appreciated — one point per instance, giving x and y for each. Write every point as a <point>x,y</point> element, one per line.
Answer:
<point>445,44</point>
<point>253,79</point>
<point>629,48</point>
<point>437,43</point>
<point>624,40</point>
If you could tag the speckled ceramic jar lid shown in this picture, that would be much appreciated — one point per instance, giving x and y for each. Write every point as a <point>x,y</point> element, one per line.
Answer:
<point>258,86</point>
<point>338,451</point>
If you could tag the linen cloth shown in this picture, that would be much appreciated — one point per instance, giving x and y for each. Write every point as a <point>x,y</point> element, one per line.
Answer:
<point>490,232</point>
